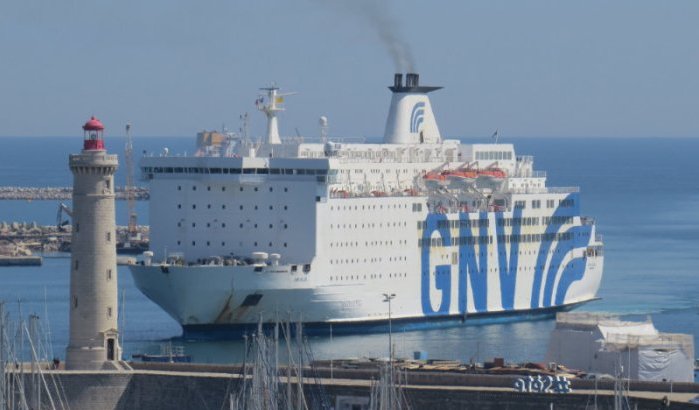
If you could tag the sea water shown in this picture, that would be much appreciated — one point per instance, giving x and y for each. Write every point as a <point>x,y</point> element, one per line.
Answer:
<point>644,194</point>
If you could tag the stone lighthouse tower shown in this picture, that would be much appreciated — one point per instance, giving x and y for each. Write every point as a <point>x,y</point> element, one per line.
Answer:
<point>93,272</point>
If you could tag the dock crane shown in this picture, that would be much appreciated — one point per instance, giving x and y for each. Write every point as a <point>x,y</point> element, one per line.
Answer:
<point>60,222</point>
<point>130,198</point>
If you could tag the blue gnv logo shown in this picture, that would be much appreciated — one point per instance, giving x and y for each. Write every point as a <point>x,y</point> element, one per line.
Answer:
<point>417,116</point>
<point>472,269</point>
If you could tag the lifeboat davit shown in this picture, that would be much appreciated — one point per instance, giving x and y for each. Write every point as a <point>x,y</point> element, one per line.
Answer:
<point>462,178</point>
<point>434,180</point>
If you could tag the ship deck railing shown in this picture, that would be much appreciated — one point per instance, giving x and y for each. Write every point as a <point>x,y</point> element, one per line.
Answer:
<point>545,190</point>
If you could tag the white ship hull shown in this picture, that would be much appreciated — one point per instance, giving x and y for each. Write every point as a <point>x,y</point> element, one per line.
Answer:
<point>207,298</point>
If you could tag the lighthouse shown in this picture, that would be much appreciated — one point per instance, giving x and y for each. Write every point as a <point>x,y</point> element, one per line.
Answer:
<point>94,342</point>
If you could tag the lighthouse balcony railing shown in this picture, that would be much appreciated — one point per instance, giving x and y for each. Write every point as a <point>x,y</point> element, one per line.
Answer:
<point>75,158</point>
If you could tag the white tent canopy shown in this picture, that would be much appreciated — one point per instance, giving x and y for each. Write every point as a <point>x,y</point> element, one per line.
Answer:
<point>598,343</point>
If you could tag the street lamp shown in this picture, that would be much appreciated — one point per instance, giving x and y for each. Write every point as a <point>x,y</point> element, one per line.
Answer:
<point>387,297</point>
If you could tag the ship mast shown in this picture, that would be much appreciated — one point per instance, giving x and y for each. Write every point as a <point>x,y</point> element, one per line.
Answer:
<point>270,105</point>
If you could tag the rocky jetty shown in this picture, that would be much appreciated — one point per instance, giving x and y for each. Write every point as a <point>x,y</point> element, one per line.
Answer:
<point>23,238</point>
<point>60,193</point>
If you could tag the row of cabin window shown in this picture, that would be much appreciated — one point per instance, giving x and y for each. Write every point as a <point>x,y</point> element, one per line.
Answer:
<point>223,225</point>
<point>371,225</point>
<point>234,171</point>
<point>371,276</point>
<point>365,260</point>
<point>550,203</point>
<point>351,244</point>
<point>510,269</point>
<point>469,240</point>
<point>443,224</point>
<point>241,207</point>
<point>366,207</point>
<point>526,221</point>
<point>557,220</point>
<point>493,155</point>
<point>536,237</point>
<point>208,243</point>
<point>223,188</point>
<point>482,240</point>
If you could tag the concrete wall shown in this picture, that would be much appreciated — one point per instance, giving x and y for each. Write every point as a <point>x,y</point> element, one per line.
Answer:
<point>172,390</point>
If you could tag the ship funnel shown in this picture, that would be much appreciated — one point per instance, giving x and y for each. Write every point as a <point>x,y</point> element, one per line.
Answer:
<point>412,80</point>
<point>398,80</point>
<point>410,118</point>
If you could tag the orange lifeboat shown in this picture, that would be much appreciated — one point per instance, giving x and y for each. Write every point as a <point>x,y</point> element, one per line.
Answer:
<point>435,180</point>
<point>493,177</point>
<point>462,177</point>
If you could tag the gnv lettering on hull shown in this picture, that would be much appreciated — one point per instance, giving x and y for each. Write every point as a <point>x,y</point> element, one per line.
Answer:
<point>473,263</point>
<point>472,267</point>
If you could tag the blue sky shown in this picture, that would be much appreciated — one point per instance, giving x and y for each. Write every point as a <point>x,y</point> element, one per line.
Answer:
<point>527,68</point>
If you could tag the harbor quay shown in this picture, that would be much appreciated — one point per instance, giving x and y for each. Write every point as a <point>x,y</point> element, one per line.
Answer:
<point>195,386</point>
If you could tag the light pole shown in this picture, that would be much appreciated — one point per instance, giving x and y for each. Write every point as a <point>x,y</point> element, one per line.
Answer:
<point>387,297</point>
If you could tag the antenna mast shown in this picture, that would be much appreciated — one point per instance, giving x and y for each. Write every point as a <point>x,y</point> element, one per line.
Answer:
<point>270,106</point>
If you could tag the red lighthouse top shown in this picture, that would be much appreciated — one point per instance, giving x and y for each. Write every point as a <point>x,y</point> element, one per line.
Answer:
<point>93,130</point>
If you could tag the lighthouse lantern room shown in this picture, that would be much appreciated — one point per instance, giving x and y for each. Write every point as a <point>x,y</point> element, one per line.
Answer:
<point>93,130</point>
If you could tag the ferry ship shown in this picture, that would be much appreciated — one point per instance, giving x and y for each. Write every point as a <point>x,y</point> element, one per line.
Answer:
<point>326,232</point>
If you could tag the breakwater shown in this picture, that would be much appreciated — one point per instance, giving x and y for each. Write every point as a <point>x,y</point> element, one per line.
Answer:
<point>20,239</point>
<point>60,193</point>
<point>187,388</point>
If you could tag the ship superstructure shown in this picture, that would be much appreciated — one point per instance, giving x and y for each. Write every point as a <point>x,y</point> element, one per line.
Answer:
<point>321,231</point>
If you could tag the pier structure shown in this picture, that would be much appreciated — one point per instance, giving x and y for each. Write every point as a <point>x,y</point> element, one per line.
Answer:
<point>94,342</point>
